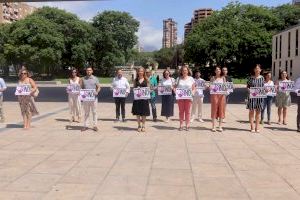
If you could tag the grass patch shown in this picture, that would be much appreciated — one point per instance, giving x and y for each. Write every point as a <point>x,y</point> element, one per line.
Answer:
<point>103,80</point>
<point>240,81</point>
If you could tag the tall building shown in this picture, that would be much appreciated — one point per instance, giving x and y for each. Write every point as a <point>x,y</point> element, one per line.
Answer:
<point>199,16</point>
<point>286,52</point>
<point>296,2</point>
<point>11,12</point>
<point>169,33</point>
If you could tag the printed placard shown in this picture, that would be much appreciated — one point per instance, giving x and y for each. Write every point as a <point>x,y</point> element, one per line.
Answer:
<point>270,90</point>
<point>182,93</point>
<point>142,93</point>
<point>201,84</point>
<point>87,95</point>
<point>229,86</point>
<point>23,90</point>
<point>297,92</point>
<point>286,86</point>
<point>199,92</point>
<point>119,92</point>
<point>73,89</point>
<point>164,90</point>
<point>257,92</point>
<point>218,88</point>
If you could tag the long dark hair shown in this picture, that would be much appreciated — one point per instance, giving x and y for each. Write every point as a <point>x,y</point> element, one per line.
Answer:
<point>71,72</point>
<point>253,69</point>
<point>144,75</point>
<point>164,73</point>
<point>280,75</point>
<point>220,68</point>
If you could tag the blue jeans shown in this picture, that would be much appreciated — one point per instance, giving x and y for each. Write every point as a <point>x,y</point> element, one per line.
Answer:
<point>267,105</point>
<point>153,106</point>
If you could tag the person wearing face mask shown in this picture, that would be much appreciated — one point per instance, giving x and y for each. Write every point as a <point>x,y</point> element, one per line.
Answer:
<point>120,82</point>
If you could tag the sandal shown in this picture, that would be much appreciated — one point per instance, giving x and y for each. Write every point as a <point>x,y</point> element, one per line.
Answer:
<point>252,131</point>
<point>143,129</point>
<point>187,128</point>
<point>139,129</point>
<point>180,129</point>
<point>220,129</point>
<point>213,130</point>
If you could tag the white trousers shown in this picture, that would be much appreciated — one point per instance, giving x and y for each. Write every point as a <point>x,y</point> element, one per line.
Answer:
<point>75,105</point>
<point>90,106</point>
<point>197,104</point>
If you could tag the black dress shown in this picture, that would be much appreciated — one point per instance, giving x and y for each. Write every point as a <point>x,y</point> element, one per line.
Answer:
<point>257,103</point>
<point>141,107</point>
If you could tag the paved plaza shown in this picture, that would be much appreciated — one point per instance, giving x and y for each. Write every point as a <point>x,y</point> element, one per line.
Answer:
<point>55,161</point>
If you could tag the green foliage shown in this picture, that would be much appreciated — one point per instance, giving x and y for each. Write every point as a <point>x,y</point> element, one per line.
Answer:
<point>238,36</point>
<point>114,39</point>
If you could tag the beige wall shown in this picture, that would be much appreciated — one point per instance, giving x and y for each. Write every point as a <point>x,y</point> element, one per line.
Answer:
<point>293,68</point>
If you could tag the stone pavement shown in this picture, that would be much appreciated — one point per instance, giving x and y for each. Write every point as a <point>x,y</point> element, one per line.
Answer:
<point>55,161</point>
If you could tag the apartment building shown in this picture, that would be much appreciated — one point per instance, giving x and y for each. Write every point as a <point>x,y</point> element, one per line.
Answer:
<point>169,33</point>
<point>199,16</point>
<point>285,52</point>
<point>11,12</point>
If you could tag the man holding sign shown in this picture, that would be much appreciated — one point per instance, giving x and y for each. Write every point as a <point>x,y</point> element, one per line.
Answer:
<point>91,87</point>
<point>198,97</point>
<point>121,89</point>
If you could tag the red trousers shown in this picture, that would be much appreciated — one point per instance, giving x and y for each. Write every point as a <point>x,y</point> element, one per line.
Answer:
<point>184,111</point>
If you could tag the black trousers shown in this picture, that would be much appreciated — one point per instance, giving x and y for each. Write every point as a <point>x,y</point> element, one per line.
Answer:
<point>120,103</point>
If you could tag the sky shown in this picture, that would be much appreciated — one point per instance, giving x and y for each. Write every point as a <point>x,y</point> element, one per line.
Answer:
<point>151,13</point>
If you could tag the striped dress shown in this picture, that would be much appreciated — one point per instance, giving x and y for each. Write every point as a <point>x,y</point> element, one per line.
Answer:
<point>258,103</point>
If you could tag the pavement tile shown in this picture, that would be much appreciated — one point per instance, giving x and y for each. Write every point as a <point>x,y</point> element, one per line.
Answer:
<point>171,177</point>
<point>167,192</point>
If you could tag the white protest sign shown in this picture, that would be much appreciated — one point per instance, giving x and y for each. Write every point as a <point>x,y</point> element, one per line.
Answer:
<point>73,89</point>
<point>23,90</point>
<point>286,86</point>
<point>200,84</point>
<point>270,90</point>
<point>119,92</point>
<point>182,93</point>
<point>164,90</point>
<point>229,86</point>
<point>218,88</point>
<point>87,95</point>
<point>257,92</point>
<point>141,93</point>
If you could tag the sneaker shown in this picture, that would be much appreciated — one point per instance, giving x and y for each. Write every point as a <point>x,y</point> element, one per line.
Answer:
<point>123,120</point>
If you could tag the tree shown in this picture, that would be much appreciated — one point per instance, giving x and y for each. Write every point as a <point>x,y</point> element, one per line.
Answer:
<point>77,35</point>
<point>114,39</point>
<point>36,42</point>
<point>237,32</point>
<point>288,15</point>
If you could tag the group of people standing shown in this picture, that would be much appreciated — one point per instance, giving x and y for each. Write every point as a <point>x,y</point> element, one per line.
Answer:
<point>189,109</point>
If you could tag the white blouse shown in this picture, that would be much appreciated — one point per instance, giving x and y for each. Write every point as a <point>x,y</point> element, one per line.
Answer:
<point>167,82</point>
<point>185,84</point>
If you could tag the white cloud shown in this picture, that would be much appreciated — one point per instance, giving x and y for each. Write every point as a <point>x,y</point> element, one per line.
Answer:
<point>150,38</point>
<point>80,8</point>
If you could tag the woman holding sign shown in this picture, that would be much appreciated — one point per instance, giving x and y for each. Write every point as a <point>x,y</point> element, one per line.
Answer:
<point>74,96</point>
<point>218,90</point>
<point>185,88</point>
<point>26,90</point>
<point>165,89</point>
<point>140,106</point>
<point>269,84</point>
<point>255,100</point>
<point>283,98</point>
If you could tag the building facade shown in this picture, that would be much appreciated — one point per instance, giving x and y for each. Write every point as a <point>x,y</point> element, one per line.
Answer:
<point>11,12</point>
<point>285,52</point>
<point>199,16</point>
<point>169,33</point>
<point>296,2</point>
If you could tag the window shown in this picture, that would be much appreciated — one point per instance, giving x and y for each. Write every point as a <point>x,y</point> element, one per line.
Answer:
<point>280,46</point>
<point>289,44</point>
<point>291,68</point>
<point>297,43</point>
<point>276,48</point>
<point>286,65</point>
<point>279,64</point>
<point>274,67</point>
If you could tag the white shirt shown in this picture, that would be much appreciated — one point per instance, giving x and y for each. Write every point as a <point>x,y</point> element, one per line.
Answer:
<point>185,84</point>
<point>167,82</point>
<point>297,84</point>
<point>2,85</point>
<point>199,92</point>
<point>270,83</point>
<point>121,83</point>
